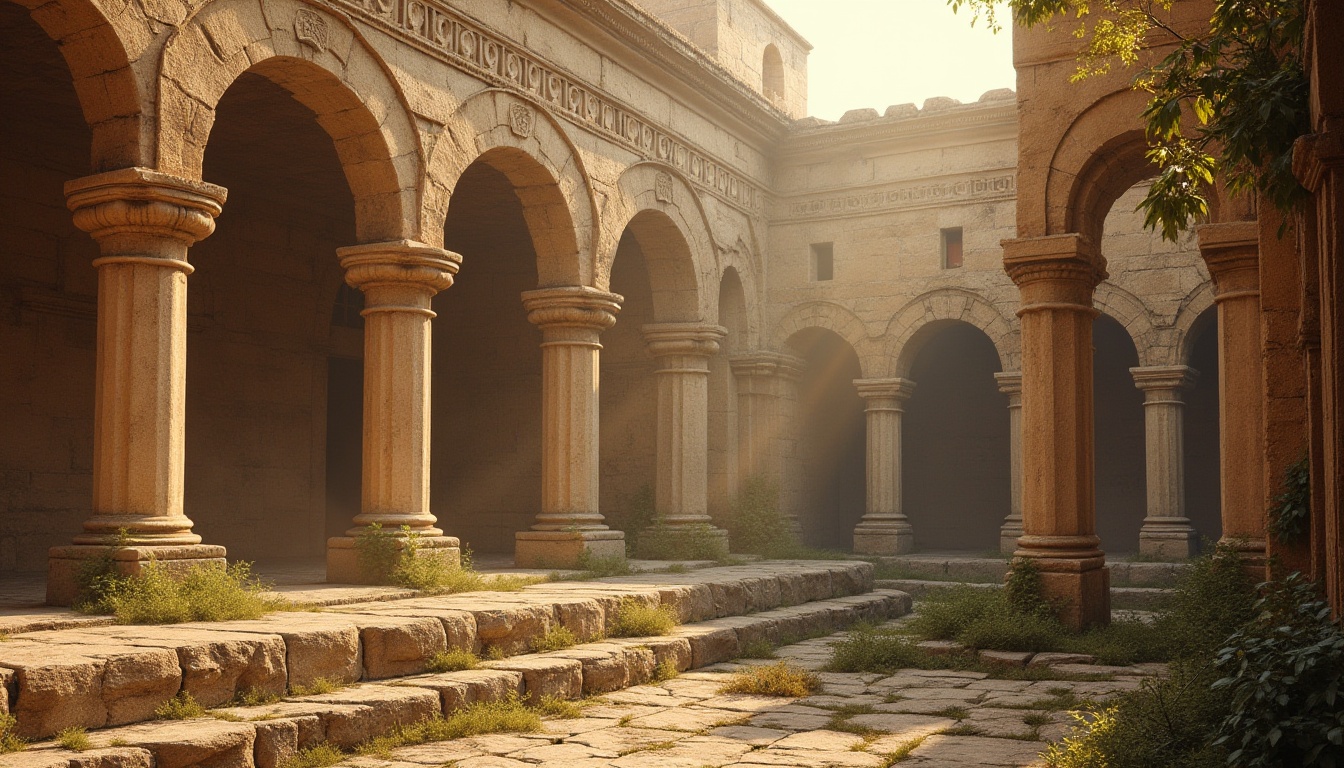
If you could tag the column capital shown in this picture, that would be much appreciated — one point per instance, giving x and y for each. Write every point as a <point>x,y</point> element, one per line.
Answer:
<point>137,214</point>
<point>1164,381</point>
<point>877,390</point>
<point>683,339</point>
<point>1232,252</point>
<point>1010,384</point>
<point>572,307</point>
<point>767,363</point>
<point>399,264</point>
<point>1317,154</point>
<point>1054,271</point>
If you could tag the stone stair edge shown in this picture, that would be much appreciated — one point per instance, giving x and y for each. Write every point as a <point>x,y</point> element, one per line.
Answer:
<point>1124,598</point>
<point>110,675</point>
<point>264,736</point>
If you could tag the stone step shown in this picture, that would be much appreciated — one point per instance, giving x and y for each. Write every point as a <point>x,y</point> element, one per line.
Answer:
<point>96,677</point>
<point>1122,598</point>
<point>267,735</point>
<point>993,569</point>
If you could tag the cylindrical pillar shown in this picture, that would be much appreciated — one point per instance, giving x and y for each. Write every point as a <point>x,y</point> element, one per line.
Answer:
<point>1231,251</point>
<point>1010,384</point>
<point>399,280</point>
<point>569,528</point>
<point>1057,275</point>
<point>884,528</point>
<point>144,222</point>
<point>767,443</point>
<point>1166,533</point>
<point>682,351</point>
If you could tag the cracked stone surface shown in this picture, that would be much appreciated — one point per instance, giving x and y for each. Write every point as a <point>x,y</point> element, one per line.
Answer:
<point>935,719</point>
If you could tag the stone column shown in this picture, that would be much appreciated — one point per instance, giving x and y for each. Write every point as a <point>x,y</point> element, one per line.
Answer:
<point>399,280</point>
<point>683,351</point>
<point>884,528</point>
<point>1010,384</point>
<point>144,222</point>
<point>569,527</point>
<point>1166,533</point>
<point>767,443</point>
<point>1057,275</point>
<point>1231,251</point>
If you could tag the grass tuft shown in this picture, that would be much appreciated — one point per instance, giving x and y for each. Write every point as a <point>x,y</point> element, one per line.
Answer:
<point>635,619</point>
<point>9,740</point>
<point>557,638</point>
<point>396,559</point>
<point>74,738</point>
<point>321,755</point>
<point>780,679</point>
<point>159,595</point>
<point>758,649</point>
<point>554,706</point>
<point>666,670</point>
<point>902,752</point>
<point>503,716</point>
<point>319,686</point>
<point>255,697</point>
<point>183,706</point>
<point>455,660</point>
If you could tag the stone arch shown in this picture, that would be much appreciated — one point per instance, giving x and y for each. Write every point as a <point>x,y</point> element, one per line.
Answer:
<point>1193,307</point>
<point>99,52</point>
<point>918,320</point>
<point>1128,310</point>
<point>772,74</point>
<point>741,259</point>
<point>325,63</point>
<point>837,320</point>
<point>1102,154</point>
<point>522,140</point>
<point>664,215</point>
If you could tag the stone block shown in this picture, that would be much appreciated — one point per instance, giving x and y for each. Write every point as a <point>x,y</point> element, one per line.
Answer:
<point>730,598</point>
<point>710,643</point>
<point>317,645</point>
<point>1051,659</point>
<point>1006,658</point>
<point>511,628</point>
<point>546,676</point>
<point>603,671</point>
<point>201,743</point>
<point>462,689</point>
<point>277,742</point>
<point>940,647</point>
<point>396,646</point>
<point>671,650</point>
<point>111,757</point>
<point>380,708</point>
<point>584,617</point>
<point>55,688</point>
<point>692,602</point>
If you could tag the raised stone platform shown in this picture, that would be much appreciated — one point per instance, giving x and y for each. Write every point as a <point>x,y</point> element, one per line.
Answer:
<point>100,677</point>
<point>972,569</point>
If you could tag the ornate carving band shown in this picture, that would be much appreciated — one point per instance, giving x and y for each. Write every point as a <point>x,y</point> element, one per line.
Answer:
<point>908,196</point>
<point>464,43</point>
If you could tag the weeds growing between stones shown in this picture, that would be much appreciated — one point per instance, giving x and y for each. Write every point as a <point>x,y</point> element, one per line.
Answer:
<point>557,638</point>
<point>779,679</point>
<point>159,595</point>
<point>74,738</point>
<point>396,559</point>
<point>9,740</point>
<point>635,619</point>
<point>183,706</point>
<point>455,660</point>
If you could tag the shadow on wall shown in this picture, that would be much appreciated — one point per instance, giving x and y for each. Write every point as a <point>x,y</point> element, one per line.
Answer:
<point>955,452</point>
<point>831,439</point>
<point>1203,496</point>
<point>1122,498</point>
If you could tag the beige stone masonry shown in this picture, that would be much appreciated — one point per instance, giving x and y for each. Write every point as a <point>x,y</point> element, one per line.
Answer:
<point>1056,276</point>
<point>144,223</point>
<point>569,526</point>
<point>884,528</point>
<point>1232,252</point>
<point>1010,384</point>
<point>1166,533</point>
<point>683,351</point>
<point>399,279</point>
<point>767,397</point>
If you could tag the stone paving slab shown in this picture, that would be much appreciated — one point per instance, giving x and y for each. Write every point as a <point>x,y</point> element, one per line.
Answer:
<point>98,676</point>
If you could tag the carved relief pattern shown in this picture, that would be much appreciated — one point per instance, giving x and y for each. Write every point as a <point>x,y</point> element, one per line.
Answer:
<point>310,29</point>
<point>463,43</point>
<point>906,196</point>
<point>520,121</point>
<point>662,188</point>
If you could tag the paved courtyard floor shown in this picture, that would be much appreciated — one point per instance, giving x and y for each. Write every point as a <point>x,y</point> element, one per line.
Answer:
<point>929,719</point>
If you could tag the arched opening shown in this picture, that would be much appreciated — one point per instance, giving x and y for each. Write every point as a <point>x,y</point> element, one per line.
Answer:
<point>274,341</point>
<point>1119,439</point>
<point>772,74</point>
<point>486,458</point>
<point>723,462</point>
<point>1203,492</point>
<point>955,452</point>
<point>48,295</point>
<point>832,441</point>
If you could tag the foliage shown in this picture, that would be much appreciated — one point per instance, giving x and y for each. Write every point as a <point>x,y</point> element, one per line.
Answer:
<point>755,524</point>
<point>557,638</point>
<point>319,756</point>
<point>635,619</point>
<point>554,706</point>
<point>666,670</point>
<point>74,738</point>
<point>868,649</point>
<point>254,697</point>
<point>160,595</point>
<point>1023,588</point>
<point>1284,672</point>
<point>10,741</point>
<point>1242,82</point>
<point>634,517</point>
<point>323,685</point>
<point>507,715</point>
<point>1210,602</point>
<point>183,706</point>
<point>455,660</point>
<point>681,542</point>
<point>779,679</point>
<point>399,559</point>
<point>1290,517</point>
<point>758,649</point>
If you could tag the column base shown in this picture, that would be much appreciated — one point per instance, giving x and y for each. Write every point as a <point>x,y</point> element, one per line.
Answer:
<point>343,566</point>
<point>1082,597</point>
<point>66,565</point>
<point>566,549</point>
<point>1008,536</point>
<point>1168,542</point>
<point>700,541</point>
<point>883,541</point>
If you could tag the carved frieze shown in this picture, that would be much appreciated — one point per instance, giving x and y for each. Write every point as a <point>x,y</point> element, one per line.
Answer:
<point>663,190</point>
<point>995,187</point>
<point>461,42</point>
<point>520,120</point>
<point>311,29</point>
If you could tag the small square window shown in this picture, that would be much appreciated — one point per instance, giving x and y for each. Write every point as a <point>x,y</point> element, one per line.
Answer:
<point>823,261</point>
<point>951,247</point>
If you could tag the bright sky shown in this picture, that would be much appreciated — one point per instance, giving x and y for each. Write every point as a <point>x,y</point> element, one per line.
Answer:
<point>875,53</point>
